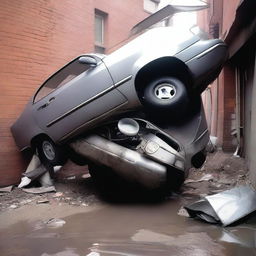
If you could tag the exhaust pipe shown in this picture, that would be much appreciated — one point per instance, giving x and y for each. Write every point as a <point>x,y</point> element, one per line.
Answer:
<point>129,164</point>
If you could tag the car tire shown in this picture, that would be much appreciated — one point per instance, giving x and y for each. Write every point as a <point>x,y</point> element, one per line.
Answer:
<point>166,94</point>
<point>49,153</point>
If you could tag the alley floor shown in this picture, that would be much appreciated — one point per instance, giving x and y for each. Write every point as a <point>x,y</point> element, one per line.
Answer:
<point>76,220</point>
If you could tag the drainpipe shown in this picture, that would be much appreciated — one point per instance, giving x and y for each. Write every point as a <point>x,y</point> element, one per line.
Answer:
<point>238,111</point>
<point>252,158</point>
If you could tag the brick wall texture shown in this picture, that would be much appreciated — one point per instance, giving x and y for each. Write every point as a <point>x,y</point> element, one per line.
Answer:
<point>223,89</point>
<point>37,37</point>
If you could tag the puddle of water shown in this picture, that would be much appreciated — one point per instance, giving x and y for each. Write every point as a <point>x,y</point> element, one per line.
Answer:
<point>152,229</point>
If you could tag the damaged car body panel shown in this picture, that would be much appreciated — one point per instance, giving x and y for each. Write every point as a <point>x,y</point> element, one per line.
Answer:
<point>155,81</point>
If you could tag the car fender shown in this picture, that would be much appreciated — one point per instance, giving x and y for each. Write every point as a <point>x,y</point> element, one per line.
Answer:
<point>25,128</point>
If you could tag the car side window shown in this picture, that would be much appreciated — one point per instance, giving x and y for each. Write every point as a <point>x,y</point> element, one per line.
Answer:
<point>62,77</point>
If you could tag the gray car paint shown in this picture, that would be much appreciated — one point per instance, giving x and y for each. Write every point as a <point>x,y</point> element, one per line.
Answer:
<point>116,73</point>
<point>77,109</point>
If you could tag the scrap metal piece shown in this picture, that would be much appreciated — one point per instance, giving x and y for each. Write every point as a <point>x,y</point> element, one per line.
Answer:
<point>226,207</point>
<point>233,204</point>
<point>202,209</point>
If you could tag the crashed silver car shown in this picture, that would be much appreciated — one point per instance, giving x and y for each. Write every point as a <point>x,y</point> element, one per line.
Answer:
<point>137,110</point>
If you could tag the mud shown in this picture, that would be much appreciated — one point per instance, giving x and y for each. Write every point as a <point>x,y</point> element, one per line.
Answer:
<point>75,221</point>
<point>121,229</point>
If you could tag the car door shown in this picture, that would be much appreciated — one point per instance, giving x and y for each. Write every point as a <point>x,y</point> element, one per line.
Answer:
<point>79,93</point>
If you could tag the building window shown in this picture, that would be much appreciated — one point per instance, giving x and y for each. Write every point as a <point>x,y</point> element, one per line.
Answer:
<point>99,31</point>
<point>151,5</point>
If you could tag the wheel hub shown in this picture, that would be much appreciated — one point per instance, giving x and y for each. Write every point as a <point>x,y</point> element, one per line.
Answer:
<point>165,91</point>
<point>48,150</point>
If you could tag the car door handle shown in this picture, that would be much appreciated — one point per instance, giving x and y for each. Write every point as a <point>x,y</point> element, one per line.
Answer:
<point>43,106</point>
<point>50,100</point>
<point>46,104</point>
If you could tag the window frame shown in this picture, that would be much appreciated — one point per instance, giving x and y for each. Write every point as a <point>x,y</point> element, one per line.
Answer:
<point>102,20</point>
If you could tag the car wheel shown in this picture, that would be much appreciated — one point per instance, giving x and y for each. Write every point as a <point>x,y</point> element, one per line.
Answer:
<point>167,93</point>
<point>50,153</point>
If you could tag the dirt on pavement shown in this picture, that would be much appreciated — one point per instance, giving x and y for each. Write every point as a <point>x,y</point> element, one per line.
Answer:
<point>75,187</point>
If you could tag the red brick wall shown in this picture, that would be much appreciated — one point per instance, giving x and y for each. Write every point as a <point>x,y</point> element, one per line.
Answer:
<point>38,37</point>
<point>229,14</point>
<point>123,15</point>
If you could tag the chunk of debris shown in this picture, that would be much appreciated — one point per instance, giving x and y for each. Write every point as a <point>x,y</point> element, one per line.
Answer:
<point>206,177</point>
<point>13,206</point>
<point>183,212</point>
<point>6,189</point>
<point>226,207</point>
<point>43,201</point>
<point>55,223</point>
<point>58,194</point>
<point>71,178</point>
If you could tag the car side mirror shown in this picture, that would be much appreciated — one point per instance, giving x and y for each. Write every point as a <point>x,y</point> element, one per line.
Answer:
<point>88,61</point>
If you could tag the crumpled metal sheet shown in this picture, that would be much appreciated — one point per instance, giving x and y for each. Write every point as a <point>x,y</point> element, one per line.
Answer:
<point>226,207</point>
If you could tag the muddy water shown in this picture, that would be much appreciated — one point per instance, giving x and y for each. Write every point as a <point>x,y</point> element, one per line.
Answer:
<point>125,229</point>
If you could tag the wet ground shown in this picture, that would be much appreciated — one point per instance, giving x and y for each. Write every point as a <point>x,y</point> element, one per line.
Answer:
<point>122,229</point>
<point>76,221</point>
